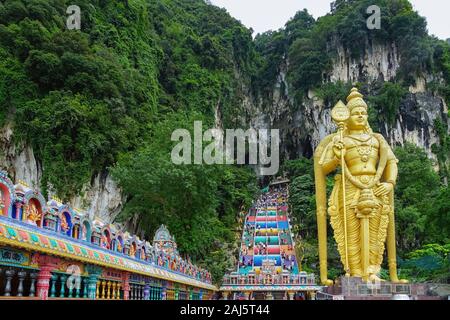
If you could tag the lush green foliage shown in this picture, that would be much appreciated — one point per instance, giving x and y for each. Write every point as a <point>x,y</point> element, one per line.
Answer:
<point>113,92</point>
<point>197,202</point>
<point>83,99</point>
<point>311,44</point>
<point>331,92</point>
<point>429,263</point>
<point>387,102</point>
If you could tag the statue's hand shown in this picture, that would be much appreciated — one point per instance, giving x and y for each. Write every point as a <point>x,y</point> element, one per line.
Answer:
<point>339,148</point>
<point>383,189</point>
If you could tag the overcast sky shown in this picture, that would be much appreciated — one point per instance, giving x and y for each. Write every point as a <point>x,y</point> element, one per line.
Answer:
<point>263,15</point>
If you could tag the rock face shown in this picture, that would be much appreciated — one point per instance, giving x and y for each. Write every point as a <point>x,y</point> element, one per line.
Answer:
<point>18,160</point>
<point>379,62</point>
<point>302,127</point>
<point>101,197</point>
<point>417,114</point>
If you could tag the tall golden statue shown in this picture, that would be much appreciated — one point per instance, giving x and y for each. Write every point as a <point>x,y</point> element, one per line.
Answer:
<point>361,205</point>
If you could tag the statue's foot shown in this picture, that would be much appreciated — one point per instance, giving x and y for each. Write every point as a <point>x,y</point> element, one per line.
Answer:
<point>397,280</point>
<point>375,278</point>
<point>401,281</point>
<point>327,282</point>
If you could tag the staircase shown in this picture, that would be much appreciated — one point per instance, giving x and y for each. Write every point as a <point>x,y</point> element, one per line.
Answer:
<point>267,245</point>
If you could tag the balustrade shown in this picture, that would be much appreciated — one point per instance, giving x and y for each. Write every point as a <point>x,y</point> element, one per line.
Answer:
<point>18,282</point>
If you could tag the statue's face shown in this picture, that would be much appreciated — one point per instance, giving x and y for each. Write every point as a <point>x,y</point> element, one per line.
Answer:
<point>358,119</point>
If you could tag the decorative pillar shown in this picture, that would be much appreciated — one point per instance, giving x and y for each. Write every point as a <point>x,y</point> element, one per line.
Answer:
<point>46,265</point>
<point>19,212</point>
<point>108,291</point>
<point>9,275</point>
<point>131,291</point>
<point>225,295</point>
<point>33,277</point>
<point>85,287</point>
<point>126,285</point>
<point>152,293</point>
<point>163,293</point>
<point>21,274</point>
<point>103,289</point>
<point>93,284</point>
<point>291,295</point>
<point>113,296</point>
<point>77,290</point>
<point>54,278</point>
<point>97,286</point>
<point>118,291</point>
<point>147,292</point>
<point>176,294</point>
<point>63,278</point>
<point>247,295</point>
<point>70,288</point>
<point>312,294</point>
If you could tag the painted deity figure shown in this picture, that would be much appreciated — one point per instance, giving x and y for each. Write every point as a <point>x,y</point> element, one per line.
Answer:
<point>33,215</point>
<point>361,205</point>
<point>64,224</point>
<point>2,203</point>
<point>105,242</point>
<point>83,232</point>
<point>132,251</point>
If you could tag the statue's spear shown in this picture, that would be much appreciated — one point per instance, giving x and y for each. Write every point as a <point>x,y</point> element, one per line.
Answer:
<point>340,115</point>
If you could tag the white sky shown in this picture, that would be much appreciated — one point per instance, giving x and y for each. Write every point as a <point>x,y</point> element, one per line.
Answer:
<point>263,15</point>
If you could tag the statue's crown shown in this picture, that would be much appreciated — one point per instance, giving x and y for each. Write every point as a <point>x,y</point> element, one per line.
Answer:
<point>355,99</point>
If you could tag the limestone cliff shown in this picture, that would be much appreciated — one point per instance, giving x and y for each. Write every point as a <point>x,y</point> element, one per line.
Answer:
<point>303,126</point>
<point>101,197</point>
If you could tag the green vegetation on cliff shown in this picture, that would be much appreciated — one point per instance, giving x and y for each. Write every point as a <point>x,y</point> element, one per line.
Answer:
<point>88,99</point>
<point>107,98</point>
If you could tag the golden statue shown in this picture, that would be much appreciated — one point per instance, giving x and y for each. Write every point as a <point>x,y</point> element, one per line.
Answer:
<point>361,205</point>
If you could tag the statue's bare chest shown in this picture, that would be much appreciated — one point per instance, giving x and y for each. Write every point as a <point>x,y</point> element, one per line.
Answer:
<point>362,149</point>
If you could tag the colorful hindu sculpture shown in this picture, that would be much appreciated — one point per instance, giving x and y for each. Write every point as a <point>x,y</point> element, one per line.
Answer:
<point>32,214</point>
<point>105,242</point>
<point>2,203</point>
<point>361,205</point>
<point>132,250</point>
<point>64,225</point>
<point>83,232</point>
